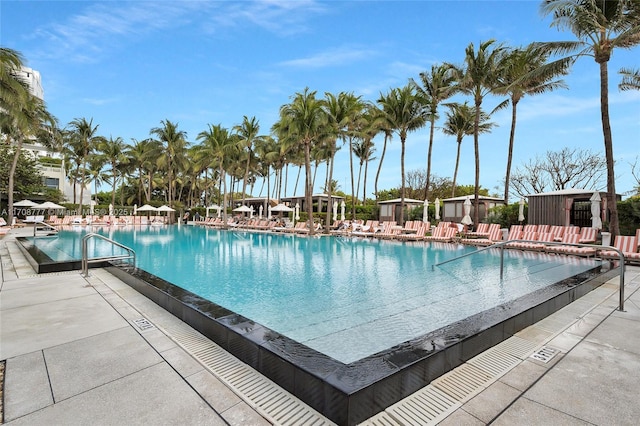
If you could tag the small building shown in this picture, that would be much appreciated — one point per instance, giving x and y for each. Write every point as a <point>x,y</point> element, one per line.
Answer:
<point>452,208</point>
<point>390,209</point>
<point>565,207</point>
<point>320,200</point>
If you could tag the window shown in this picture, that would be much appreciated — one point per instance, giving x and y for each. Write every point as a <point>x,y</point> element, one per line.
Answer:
<point>51,182</point>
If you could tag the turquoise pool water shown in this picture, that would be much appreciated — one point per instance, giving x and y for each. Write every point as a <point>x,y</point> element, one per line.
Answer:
<point>346,298</point>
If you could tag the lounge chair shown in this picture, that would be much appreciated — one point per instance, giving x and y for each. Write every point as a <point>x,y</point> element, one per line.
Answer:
<point>419,235</point>
<point>571,238</point>
<point>521,245</point>
<point>495,235</point>
<point>530,228</point>
<point>588,235</point>
<point>446,235</point>
<point>481,232</point>
<point>515,232</point>
<point>628,245</point>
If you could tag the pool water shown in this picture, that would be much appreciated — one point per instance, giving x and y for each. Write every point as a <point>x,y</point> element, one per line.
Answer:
<point>327,291</point>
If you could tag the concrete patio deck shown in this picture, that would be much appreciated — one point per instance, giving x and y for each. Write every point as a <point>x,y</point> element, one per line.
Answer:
<point>93,350</point>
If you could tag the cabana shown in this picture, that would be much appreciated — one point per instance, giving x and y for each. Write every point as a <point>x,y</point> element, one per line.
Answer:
<point>390,209</point>
<point>321,200</point>
<point>565,207</point>
<point>453,208</point>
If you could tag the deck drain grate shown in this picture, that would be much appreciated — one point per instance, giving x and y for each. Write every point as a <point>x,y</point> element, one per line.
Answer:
<point>544,354</point>
<point>143,324</point>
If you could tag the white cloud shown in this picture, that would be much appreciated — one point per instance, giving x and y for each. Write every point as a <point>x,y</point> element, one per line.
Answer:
<point>333,57</point>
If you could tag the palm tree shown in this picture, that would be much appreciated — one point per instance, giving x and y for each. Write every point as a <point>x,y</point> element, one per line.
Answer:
<point>459,123</point>
<point>143,156</point>
<point>113,152</point>
<point>85,141</point>
<point>363,150</point>
<point>525,73</point>
<point>379,122</point>
<point>248,133</point>
<point>402,113</point>
<point>630,79</point>
<point>600,27</point>
<point>479,79</point>
<point>175,143</point>
<point>306,121</point>
<point>437,86</point>
<point>217,143</point>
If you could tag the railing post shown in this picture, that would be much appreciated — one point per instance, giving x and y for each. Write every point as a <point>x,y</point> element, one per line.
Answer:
<point>501,261</point>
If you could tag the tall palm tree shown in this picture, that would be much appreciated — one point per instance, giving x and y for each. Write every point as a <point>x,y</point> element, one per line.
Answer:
<point>630,79</point>
<point>379,122</point>
<point>85,139</point>
<point>306,122</point>
<point>216,144</point>
<point>600,27</point>
<point>403,113</point>
<point>175,143</point>
<point>459,122</point>
<point>525,73</point>
<point>363,150</point>
<point>113,152</point>
<point>248,133</point>
<point>436,87</point>
<point>479,78</point>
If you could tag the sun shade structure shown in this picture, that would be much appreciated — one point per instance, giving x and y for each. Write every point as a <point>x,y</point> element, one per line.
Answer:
<point>25,203</point>
<point>281,208</point>
<point>467,211</point>
<point>242,209</point>
<point>164,209</point>
<point>147,208</point>
<point>49,205</point>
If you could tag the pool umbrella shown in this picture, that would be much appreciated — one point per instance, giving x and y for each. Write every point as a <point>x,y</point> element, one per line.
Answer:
<point>135,209</point>
<point>110,209</point>
<point>165,209</point>
<point>49,206</point>
<point>521,210</point>
<point>269,212</point>
<point>335,211</point>
<point>25,203</point>
<point>147,208</point>
<point>342,206</point>
<point>242,209</point>
<point>466,220</point>
<point>425,211</point>
<point>260,211</point>
<point>596,221</point>
<point>251,212</point>
<point>297,211</point>
<point>437,203</point>
<point>281,208</point>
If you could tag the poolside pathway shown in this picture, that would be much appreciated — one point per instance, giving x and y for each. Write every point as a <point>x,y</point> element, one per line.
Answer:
<point>93,350</point>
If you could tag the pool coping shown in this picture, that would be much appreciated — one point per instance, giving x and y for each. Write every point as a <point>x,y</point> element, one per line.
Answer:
<point>351,393</point>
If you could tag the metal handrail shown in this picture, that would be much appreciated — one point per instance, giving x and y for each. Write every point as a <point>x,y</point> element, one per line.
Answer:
<point>502,244</point>
<point>48,225</point>
<point>85,256</point>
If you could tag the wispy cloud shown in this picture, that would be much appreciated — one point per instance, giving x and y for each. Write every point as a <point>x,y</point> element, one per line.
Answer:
<point>332,57</point>
<point>103,101</point>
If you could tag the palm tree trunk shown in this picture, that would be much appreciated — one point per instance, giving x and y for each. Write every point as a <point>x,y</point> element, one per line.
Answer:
<point>364,184</point>
<point>12,172</point>
<point>308,187</point>
<point>329,187</point>
<point>512,135</point>
<point>353,188</point>
<point>455,172</point>
<point>428,184</point>
<point>608,150</point>
<point>402,189</point>
<point>384,150</point>
<point>476,148</point>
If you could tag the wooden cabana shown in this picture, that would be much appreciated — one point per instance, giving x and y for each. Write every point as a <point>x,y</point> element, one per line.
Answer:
<point>565,207</point>
<point>453,208</point>
<point>390,209</point>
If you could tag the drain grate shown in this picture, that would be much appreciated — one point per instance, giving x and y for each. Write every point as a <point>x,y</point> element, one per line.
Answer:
<point>544,354</point>
<point>143,324</point>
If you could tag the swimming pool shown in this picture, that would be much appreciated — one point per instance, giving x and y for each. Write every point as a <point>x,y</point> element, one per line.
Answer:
<point>373,294</point>
<point>350,326</point>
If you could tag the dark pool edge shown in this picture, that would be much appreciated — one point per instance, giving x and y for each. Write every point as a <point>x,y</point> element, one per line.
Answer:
<point>43,264</point>
<point>350,393</point>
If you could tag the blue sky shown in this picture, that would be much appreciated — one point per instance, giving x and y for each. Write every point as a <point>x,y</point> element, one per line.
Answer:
<point>129,65</point>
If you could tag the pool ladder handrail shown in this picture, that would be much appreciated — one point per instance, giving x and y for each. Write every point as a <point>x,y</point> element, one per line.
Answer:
<point>502,244</point>
<point>85,257</point>
<point>46,225</point>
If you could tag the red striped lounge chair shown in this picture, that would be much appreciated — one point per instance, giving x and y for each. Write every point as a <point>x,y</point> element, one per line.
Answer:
<point>419,235</point>
<point>515,232</point>
<point>628,245</point>
<point>558,232</point>
<point>588,235</point>
<point>530,228</point>
<point>495,235</point>
<point>572,250</point>
<point>521,245</point>
<point>447,235</point>
<point>542,229</point>
<point>388,232</point>
<point>481,232</point>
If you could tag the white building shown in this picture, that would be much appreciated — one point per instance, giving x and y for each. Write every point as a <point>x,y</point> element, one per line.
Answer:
<point>54,176</point>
